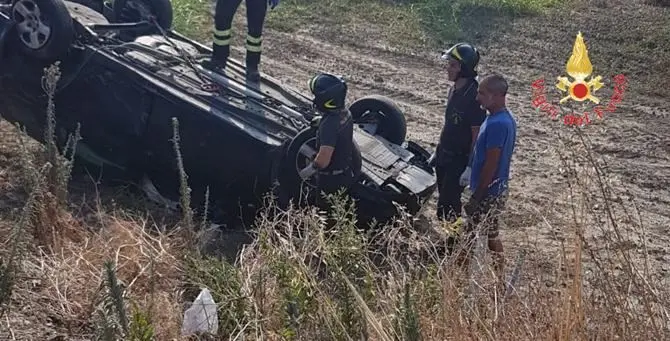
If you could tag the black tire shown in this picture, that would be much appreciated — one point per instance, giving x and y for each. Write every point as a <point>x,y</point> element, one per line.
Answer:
<point>96,5</point>
<point>53,12</point>
<point>390,119</point>
<point>84,13</point>
<point>126,11</point>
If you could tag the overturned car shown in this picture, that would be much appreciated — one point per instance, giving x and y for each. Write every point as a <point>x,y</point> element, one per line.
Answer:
<point>125,75</point>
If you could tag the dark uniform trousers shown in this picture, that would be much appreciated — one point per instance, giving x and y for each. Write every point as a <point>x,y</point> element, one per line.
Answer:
<point>331,182</point>
<point>448,171</point>
<point>223,20</point>
<point>328,183</point>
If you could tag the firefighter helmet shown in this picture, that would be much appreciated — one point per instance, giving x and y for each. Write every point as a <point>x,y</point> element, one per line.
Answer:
<point>329,92</point>
<point>467,55</point>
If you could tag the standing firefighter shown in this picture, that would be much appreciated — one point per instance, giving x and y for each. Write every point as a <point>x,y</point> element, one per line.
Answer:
<point>335,153</point>
<point>223,20</point>
<point>462,118</point>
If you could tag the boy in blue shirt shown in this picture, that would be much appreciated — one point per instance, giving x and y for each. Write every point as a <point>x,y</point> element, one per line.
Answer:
<point>492,156</point>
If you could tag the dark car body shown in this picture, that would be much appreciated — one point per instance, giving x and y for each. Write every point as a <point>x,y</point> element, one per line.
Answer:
<point>234,135</point>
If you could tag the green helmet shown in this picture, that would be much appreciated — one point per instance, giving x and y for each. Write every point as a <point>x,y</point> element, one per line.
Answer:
<point>329,92</point>
<point>467,55</point>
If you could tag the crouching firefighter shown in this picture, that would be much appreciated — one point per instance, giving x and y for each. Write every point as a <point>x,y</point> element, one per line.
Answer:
<point>223,20</point>
<point>462,118</point>
<point>335,146</point>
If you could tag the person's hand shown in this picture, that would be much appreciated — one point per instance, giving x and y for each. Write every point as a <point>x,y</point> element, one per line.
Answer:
<point>273,3</point>
<point>308,171</point>
<point>464,180</point>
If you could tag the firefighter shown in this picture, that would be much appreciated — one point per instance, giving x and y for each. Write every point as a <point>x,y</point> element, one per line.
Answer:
<point>462,118</point>
<point>223,20</point>
<point>335,154</point>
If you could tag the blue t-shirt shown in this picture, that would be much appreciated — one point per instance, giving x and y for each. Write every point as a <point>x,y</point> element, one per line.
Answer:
<point>498,130</point>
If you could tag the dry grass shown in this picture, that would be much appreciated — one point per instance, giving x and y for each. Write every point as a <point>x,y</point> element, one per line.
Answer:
<point>334,280</point>
<point>312,277</point>
<point>146,265</point>
<point>307,276</point>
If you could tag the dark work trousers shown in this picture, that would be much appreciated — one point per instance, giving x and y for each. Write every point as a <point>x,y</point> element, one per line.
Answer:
<point>331,184</point>
<point>448,171</point>
<point>223,20</point>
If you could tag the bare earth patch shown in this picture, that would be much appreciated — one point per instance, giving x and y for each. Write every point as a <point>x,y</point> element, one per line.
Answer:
<point>633,140</point>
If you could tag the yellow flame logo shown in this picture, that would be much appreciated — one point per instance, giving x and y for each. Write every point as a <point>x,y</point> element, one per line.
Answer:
<point>579,67</point>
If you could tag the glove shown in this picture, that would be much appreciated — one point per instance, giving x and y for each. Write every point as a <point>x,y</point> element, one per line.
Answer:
<point>464,180</point>
<point>273,3</point>
<point>308,171</point>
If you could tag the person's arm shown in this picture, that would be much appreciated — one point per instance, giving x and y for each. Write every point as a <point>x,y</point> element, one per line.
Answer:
<point>488,172</point>
<point>495,138</point>
<point>323,157</point>
<point>327,139</point>
<point>475,133</point>
<point>476,119</point>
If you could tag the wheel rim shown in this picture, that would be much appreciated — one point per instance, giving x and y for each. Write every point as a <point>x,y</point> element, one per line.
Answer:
<point>32,26</point>
<point>370,122</point>
<point>305,155</point>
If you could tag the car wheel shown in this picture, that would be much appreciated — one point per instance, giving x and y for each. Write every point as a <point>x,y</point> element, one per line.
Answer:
<point>43,28</point>
<point>126,11</point>
<point>96,5</point>
<point>378,115</point>
<point>301,151</point>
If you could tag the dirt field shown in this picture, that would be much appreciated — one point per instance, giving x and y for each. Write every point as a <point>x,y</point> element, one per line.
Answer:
<point>629,37</point>
<point>633,140</point>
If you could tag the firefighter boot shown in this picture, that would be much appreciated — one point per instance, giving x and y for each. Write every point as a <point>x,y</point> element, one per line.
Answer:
<point>219,56</point>
<point>252,62</point>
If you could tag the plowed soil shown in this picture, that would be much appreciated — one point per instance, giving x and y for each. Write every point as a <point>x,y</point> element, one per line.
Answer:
<point>622,37</point>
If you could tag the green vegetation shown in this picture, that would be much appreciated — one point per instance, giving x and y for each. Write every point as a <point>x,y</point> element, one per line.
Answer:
<point>406,23</point>
<point>194,18</point>
<point>448,20</point>
<point>403,22</point>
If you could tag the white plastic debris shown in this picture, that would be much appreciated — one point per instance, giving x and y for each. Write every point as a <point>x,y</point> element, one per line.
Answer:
<point>201,317</point>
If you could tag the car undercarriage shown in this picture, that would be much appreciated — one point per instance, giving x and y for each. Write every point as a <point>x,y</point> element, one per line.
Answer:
<point>124,82</point>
